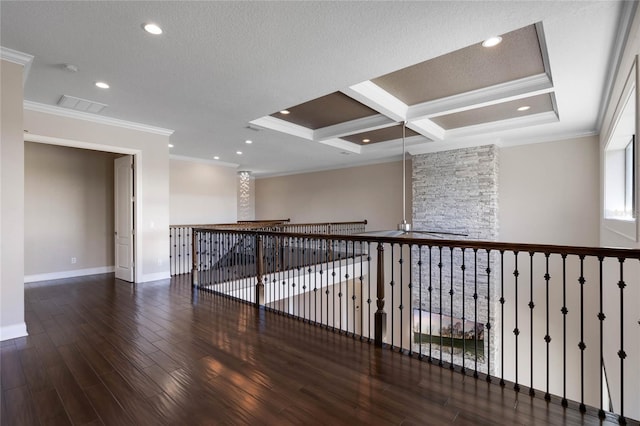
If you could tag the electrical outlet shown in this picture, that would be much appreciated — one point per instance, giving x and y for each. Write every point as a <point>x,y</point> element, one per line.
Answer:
<point>73,260</point>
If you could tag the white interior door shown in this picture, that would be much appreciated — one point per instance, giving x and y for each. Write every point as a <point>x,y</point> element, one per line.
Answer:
<point>124,224</point>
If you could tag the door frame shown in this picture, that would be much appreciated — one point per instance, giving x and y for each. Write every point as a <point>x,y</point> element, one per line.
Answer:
<point>137,154</point>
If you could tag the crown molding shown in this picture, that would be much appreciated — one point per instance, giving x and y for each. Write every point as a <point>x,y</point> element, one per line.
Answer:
<point>79,115</point>
<point>203,160</point>
<point>19,58</point>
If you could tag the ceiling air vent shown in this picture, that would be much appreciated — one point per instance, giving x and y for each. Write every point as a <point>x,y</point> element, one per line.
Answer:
<point>83,105</point>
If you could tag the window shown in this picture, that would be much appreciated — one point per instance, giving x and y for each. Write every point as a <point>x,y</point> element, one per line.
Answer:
<point>629,179</point>
<point>620,164</point>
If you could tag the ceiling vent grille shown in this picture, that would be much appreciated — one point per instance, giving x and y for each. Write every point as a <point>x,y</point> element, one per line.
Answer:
<point>79,104</point>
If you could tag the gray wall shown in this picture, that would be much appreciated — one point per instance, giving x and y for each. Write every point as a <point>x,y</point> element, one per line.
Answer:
<point>68,209</point>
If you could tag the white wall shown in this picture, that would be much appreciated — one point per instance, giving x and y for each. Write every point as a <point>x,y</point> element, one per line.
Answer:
<point>547,193</point>
<point>68,211</point>
<point>11,203</point>
<point>201,193</point>
<point>152,174</point>
<point>370,192</point>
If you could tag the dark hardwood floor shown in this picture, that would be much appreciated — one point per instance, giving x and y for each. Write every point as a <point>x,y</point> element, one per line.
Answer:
<point>102,351</point>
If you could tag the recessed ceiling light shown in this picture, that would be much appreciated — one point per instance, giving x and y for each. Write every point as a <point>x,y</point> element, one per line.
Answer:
<point>524,108</point>
<point>152,29</point>
<point>366,140</point>
<point>102,85</point>
<point>170,145</point>
<point>285,112</point>
<point>216,158</point>
<point>248,141</point>
<point>239,152</point>
<point>492,41</point>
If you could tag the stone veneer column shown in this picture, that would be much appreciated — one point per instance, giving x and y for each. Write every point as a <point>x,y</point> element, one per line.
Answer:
<point>457,191</point>
<point>246,196</point>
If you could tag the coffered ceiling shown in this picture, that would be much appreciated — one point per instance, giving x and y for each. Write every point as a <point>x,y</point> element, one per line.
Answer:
<point>347,72</point>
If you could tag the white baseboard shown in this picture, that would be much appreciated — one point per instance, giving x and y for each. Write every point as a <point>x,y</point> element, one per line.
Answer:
<point>68,274</point>
<point>13,331</point>
<point>156,276</point>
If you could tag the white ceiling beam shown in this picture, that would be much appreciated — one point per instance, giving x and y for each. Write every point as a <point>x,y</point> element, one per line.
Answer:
<point>343,145</point>
<point>485,129</point>
<point>359,125</point>
<point>272,123</point>
<point>373,96</point>
<point>499,93</point>
<point>427,128</point>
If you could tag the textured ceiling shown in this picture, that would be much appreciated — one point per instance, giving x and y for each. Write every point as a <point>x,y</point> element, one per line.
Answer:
<point>467,69</point>
<point>221,65</point>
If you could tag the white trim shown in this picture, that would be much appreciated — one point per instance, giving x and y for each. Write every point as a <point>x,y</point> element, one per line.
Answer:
<point>550,138</point>
<point>13,331</point>
<point>360,125</point>
<point>29,137</point>
<point>375,97</point>
<point>394,145</point>
<point>69,113</point>
<point>157,276</point>
<point>68,274</point>
<point>283,126</point>
<point>19,58</point>
<point>344,145</point>
<point>492,95</point>
<point>202,160</point>
<point>502,125</point>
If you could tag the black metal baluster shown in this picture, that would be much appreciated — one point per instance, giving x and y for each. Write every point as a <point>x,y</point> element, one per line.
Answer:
<point>410,297</point>
<point>464,341</point>
<point>430,289</point>
<point>401,307</point>
<point>502,383</point>
<point>441,362</point>
<point>516,331</point>
<point>475,311</point>
<point>451,293</point>
<point>532,305</point>
<point>333,278</point>
<point>582,345</point>
<point>621,353</point>
<point>369,287</point>
<point>601,317</point>
<point>361,293</point>
<point>420,356</point>
<point>547,337</point>
<point>393,283</point>
<point>564,311</point>
<point>488,316</point>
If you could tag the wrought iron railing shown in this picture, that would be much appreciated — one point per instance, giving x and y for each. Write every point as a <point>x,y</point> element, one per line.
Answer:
<point>180,236</point>
<point>541,318</point>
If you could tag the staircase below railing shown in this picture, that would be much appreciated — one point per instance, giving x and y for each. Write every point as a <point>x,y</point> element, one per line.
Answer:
<point>543,318</point>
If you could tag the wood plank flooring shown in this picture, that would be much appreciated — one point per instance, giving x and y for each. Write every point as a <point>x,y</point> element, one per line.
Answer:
<point>104,352</point>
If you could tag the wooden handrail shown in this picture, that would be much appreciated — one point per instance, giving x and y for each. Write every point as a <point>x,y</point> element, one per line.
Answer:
<point>467,244</point>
